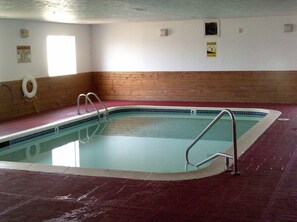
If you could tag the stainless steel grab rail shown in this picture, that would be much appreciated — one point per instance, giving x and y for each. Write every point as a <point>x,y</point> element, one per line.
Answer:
<point>99,100</point>
<point>87,99</point>
<point>93,135</point>
<point>234,157</point>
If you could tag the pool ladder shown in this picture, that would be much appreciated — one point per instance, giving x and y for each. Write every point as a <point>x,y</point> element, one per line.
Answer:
<point>227,156</point>
<point>99,129</point>
<point>88,100</point>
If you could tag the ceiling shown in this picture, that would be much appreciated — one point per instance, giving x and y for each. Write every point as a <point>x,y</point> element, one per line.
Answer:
<point>118,11</point>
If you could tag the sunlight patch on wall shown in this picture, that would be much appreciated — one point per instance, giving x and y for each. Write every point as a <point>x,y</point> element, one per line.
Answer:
<point>61,55</point>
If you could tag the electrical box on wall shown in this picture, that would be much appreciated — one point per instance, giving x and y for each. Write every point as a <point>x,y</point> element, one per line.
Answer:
<point>24,33</point>
<point>288,27</point>
<point>163,32</point>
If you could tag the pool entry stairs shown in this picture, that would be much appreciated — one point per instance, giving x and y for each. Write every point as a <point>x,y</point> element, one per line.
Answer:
<point>101,116</point>
<point>227,156</point>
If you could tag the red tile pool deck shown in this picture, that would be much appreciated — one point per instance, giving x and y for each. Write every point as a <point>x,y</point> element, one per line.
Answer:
<point>266,190</point>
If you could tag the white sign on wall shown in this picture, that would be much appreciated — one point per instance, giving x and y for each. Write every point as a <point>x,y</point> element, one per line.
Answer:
<point>23,54</point>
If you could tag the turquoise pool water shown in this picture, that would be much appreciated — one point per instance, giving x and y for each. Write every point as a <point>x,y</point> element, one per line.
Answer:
<point>133,141</point>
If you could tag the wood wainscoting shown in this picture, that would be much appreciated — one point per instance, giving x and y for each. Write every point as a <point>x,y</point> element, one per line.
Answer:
<point>242,86</point>
<point>232,86</point>
<point>52,93</point>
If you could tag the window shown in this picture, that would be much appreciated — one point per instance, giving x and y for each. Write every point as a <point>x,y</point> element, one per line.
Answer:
<point>61,55</point>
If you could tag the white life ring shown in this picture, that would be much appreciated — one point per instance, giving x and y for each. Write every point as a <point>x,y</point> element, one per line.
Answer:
<point>32,152</point>
<point>26,80</point>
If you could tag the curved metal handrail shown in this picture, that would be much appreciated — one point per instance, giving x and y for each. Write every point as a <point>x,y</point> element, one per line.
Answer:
<point>227,156</point>
<point>93,136</point>
<point>87,99</point>
<point>99,100</point>
<point>213,157</point>
<point>219,116</point>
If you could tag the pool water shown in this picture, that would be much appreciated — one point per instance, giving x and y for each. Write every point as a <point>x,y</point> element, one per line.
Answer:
<point>146,142</point>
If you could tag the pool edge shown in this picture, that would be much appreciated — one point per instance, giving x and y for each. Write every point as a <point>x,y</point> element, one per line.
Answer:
<point>216,167</point>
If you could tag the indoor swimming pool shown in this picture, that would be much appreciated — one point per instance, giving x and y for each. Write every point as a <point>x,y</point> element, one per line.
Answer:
<point>132,139</point>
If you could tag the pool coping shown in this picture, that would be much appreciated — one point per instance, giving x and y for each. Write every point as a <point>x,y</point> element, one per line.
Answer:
<point>216,167</point>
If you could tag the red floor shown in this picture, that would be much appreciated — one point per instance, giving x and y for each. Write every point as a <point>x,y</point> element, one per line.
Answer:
<point>266,190</point>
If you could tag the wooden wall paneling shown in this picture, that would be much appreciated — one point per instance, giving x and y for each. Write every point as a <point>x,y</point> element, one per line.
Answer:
<point>241,86</point>
<point>63,91</point>
<point>222,86</point>
<point>52,93</point>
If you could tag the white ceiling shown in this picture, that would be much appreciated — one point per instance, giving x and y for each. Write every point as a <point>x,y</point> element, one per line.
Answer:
<point>114,11</point>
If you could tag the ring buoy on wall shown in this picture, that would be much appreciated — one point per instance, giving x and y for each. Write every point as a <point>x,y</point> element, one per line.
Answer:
<point>32,152</point>
<point>29,80</point>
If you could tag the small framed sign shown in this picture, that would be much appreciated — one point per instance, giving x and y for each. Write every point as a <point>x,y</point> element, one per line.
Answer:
<point>23,54</point>
<point>211,49</point>
<point>212,28</point>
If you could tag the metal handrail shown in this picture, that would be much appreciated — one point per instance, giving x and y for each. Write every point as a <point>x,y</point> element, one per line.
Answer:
<point>99,100</point>
<point>87,99</point>
<point>227,157</point>
<point>93,136</point>
<point>218,117</point>
<point>213,157</point>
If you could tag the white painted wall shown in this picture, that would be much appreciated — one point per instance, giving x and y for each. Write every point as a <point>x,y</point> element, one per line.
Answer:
<point>10,38</point>
<point>262,45</point>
